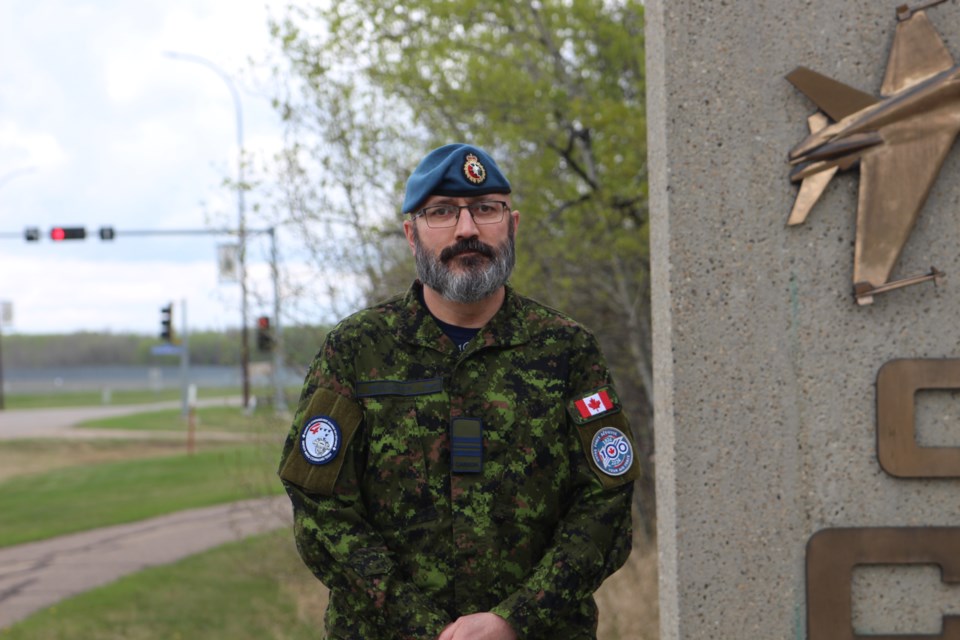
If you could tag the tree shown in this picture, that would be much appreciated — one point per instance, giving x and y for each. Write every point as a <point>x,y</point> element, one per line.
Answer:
<point>553,88</point>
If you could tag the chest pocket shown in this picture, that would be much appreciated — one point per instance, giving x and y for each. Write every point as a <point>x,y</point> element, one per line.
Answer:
<point>397,486</point>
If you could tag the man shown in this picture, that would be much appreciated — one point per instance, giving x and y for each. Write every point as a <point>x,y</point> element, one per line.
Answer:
<point>459,466</point>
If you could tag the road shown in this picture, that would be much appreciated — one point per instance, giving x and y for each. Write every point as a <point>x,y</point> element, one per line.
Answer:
<point>16,424</point>
<point>39,574</point>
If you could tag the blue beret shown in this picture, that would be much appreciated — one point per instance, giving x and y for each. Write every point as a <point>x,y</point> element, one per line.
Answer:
<point>456,170</point>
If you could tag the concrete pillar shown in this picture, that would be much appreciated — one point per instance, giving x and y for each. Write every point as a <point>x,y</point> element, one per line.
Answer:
<point>765,369</point>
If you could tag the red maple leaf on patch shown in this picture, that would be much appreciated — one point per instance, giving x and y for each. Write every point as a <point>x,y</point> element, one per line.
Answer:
<point>594,404</point>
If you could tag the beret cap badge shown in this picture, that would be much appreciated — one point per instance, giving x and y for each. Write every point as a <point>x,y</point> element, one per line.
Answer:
<point>473,170</point>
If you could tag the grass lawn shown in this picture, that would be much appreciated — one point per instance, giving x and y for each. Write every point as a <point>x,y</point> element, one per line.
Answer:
<point>248,590</point>
<point>94,398</point>
<point>53,487</point>
<point>74,498</point>
<point>228,419</point>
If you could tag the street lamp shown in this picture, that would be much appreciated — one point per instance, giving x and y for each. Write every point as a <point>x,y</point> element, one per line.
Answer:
<point>241,215</point>
<point>10,175</point>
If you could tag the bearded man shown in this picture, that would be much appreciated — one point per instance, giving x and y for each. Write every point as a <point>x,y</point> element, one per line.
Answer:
<point>459,465</point>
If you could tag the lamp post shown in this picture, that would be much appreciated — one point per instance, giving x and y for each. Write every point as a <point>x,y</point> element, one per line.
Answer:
<point>5,178</point>
<point>241,215</point>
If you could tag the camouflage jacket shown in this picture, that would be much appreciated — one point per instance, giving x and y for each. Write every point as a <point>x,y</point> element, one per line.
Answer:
<point>527,524</point>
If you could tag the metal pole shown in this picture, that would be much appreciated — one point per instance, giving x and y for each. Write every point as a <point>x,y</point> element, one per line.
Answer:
<point>184,362</point>
<point>1,364</point>
<point>279,401</point>
<point>5,178</point>
<point>242,225</point>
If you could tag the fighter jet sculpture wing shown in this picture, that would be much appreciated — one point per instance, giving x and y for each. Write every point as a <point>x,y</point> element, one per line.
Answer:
<point>918,53</point>
<point>890,202</point>
<point>834,98</point>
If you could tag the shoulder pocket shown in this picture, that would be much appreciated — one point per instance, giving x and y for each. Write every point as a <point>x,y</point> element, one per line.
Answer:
<point>328,425</point>
<point>610,451</point>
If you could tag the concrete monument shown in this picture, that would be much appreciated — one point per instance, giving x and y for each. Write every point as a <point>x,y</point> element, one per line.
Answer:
<point>806,446</point>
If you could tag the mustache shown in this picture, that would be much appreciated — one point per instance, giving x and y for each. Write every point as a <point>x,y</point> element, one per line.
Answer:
<point>467,245</point>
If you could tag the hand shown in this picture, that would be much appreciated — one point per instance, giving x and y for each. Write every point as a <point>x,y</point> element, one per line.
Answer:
<point>479,626</point>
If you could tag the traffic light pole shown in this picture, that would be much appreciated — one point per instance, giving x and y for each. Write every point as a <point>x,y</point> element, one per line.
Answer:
<point>184,361</point>
<point>61,234</point>
<point>241,233</point>
<point>1,366</point>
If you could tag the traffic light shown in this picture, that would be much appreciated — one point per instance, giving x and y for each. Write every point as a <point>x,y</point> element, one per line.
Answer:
<point>106,233</point>
<point>67,233</point>
<point>31,234</point>
<point>166,322</point>
<point>264,335</point>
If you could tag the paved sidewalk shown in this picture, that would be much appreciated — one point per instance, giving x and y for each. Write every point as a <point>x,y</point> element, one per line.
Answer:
<point>39,574</point>
<point>61,422</point>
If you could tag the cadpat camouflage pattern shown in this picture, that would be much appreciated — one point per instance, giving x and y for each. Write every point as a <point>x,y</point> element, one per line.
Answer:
<point>537,513</point>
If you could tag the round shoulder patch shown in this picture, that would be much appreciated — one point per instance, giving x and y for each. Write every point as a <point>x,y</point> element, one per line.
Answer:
<point>320,440</point>
<point>612,451</point>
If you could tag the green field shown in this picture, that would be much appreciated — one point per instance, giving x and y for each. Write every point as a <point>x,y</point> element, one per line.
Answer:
<point>248,590</point>
<point>70,499</point>
<point>95,398</point>
<point>256,588</point>
<point>225,419</point>
<point>53,487</point>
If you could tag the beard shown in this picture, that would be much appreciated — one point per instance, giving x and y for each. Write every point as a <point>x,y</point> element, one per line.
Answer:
<point>480,275</point>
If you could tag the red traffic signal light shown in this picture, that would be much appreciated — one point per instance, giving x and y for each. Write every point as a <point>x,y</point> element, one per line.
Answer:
<point>67,233</point>
<point>264,335</point>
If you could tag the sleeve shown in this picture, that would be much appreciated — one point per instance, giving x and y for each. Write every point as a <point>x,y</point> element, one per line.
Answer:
<point>594,537</point>
<point>333,535</point>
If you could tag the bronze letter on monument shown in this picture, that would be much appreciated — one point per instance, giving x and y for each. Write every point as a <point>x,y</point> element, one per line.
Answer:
<point>832,555</point>
<point>897,448</point>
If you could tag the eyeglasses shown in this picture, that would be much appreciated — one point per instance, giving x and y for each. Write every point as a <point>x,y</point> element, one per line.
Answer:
<point>442,216</point>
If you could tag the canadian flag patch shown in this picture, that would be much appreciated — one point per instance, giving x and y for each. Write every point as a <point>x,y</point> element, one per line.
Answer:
<point>595,404</point>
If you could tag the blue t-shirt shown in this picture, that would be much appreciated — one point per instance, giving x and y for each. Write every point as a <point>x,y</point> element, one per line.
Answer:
<point>461,336</point>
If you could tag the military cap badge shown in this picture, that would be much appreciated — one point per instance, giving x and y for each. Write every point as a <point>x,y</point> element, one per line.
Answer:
<point>473,170</point>
<point>320,440</point>
<point>612,451</point>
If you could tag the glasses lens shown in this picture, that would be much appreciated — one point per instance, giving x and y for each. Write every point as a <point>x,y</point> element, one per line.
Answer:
<point>487,212</point>
<point>440,216</point>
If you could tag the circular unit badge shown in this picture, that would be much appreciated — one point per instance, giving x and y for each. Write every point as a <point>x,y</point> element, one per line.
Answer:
<point>320,440</point>
<point>473,170</point>
<point>612,451</point>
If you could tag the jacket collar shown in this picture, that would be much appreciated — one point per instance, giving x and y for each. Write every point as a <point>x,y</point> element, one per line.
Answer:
<point>507,328</point>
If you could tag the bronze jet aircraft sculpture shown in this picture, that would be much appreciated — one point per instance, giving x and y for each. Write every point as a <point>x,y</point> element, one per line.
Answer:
<point>900,141</point>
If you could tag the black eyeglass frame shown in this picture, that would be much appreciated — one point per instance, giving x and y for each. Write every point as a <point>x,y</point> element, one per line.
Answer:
<point>504,207</point>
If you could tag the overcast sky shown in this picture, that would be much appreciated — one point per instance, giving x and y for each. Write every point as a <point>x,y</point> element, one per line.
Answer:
<point>98,127</point>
